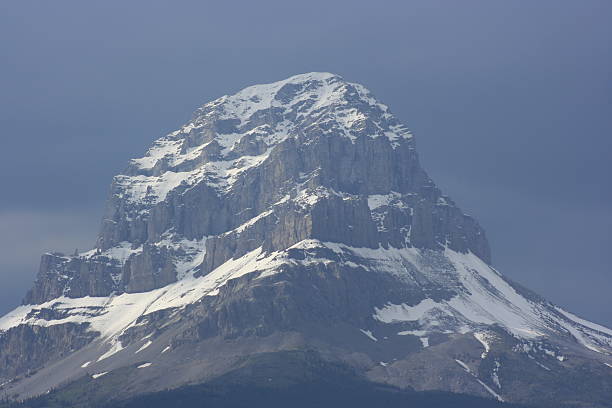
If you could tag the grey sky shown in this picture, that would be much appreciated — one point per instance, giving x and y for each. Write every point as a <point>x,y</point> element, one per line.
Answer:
<point>510,101</point>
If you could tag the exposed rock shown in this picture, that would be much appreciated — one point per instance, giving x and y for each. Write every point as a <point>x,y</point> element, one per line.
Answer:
<point>25,348</point>
<point>152,268</point>
<point>73,277</point>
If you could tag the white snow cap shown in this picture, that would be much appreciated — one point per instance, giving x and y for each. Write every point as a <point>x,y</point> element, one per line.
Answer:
<point>308,95</point>
<point>323,86</point>
<point>312,103</point>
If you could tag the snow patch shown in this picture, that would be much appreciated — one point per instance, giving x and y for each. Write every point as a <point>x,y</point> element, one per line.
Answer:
<point>485,386</point>
<point>585,323</point>
<point>193,253</point>
<point>160,149</point>
<point>149,190</point>
<point>392,313</point>
<point>116,347</point>
<point>421,334</point>
<point>483,339</point>
<point>252,221</point>
<point>144,346</point>
<point>490,390</point>
<point>586,333</point>
<point>377,200</point>
<point>495,374</point>
<point>465,366</point>
<point>98,375</point>
<point>368,334</point>
<point>120,252</point>
<point>418,333</point>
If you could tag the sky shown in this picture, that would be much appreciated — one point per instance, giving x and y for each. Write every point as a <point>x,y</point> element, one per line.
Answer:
<point>510,103</point>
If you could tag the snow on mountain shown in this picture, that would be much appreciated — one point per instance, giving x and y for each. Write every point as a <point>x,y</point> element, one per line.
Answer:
<point>315,100</point>
<point>291,210</point>
<point>484,298</point>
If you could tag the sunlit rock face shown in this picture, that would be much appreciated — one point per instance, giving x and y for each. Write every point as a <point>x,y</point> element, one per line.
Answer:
<point>294,215</point>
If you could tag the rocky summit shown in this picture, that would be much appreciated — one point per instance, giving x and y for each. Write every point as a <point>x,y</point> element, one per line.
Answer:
<point>294,216</point>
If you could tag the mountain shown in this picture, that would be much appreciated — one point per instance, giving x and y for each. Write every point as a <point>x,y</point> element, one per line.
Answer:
<point>288,217</point>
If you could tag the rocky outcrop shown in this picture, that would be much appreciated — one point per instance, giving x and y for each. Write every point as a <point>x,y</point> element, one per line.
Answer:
<point>24,348</point>
<point>149,269</point>
<point>73,276</point>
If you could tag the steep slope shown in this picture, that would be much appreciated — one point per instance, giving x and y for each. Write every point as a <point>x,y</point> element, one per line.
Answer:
<point>295,215</point>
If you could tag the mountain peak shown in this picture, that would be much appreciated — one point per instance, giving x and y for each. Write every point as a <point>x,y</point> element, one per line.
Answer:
<point>319,102</point>
<point>234,133</point>
<point>306,94</point>
<point>316,79</point>
<point>321,89</point>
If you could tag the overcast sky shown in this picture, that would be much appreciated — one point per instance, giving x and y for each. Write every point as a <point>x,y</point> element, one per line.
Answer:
<point>510,102</point>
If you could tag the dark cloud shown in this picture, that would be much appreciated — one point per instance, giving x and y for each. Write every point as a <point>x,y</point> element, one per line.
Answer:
<point>510,103</point>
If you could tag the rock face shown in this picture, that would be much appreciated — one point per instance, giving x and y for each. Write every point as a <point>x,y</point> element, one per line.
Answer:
<point>74,277</point>
<point>295,215</point>
<point>313,157</point>
<point>26,347</point>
